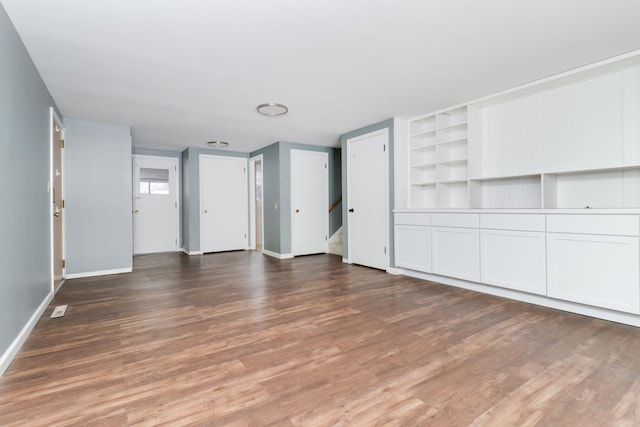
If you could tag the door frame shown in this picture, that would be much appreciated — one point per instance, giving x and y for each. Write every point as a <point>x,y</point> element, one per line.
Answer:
<point>385,132</point>
<point>54,119</point>
<point>325,155</point>
<point>252,202</point>
<point>178,193</point>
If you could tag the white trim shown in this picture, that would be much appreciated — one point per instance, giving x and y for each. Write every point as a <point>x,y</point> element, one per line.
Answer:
<point>395,271</point>
<point>59,285</point>
<point>346,261</point>
<point>252,195</point>
<point>601,313</point>
<point>383,131</point>
<point>186,252</point>
<point>13,349</point>
<point>99,273</point>
<point>53,117</point>
<point>277,255</point>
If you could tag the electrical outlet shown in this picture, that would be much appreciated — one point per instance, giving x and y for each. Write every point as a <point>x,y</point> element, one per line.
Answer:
<point>59,311</point>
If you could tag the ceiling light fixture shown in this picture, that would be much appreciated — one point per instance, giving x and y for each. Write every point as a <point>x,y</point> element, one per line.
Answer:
<point>218,144</point>
<point>272,109</point>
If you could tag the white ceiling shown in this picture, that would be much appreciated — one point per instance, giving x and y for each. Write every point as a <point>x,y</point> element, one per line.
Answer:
<point>183,72</point>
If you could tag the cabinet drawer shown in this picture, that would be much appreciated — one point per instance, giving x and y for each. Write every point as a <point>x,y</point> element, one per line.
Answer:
<point>617,225</point>
<point>523,222</point>
<point>413,247</point>
<point>466,220</point>
<point>412,218</point>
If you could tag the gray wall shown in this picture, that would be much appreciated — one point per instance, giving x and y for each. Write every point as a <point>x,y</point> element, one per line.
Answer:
<point>98,193</point>
<point>387,124</point>
<point>177,155</point>
<point>25,254</point>
<point>277,189</point>
<point>191,193</point>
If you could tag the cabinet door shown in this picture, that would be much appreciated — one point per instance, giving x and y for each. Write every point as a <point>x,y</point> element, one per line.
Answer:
<point>594,269</point>
<point>514,260</point>
<point>413,247</point>
<point>456,252</point>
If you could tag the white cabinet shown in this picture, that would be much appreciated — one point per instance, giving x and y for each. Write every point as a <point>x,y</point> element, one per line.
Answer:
<point>598,270</point>
<point>512,248</point>
<point>413,247</point>
<point>413,240</point>
<point>514,260</point>
<point>456,252</point>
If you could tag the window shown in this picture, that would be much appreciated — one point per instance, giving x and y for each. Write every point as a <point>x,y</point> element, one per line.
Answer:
<point>154,181</point>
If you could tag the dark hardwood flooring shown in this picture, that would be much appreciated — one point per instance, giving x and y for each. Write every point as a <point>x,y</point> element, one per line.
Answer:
<point>241,339</point>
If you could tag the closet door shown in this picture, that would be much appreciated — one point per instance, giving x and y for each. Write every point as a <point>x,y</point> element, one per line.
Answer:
<point>224,203</point>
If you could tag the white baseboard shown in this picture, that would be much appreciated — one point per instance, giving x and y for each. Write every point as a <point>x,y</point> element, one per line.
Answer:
<point>14,348</point>
<point>586,310</point>
<point>190,252</point>
<point>59,286</point>
<point>346,261</point>
<point>394,271</point>
<point>98,273</point>
<point>277,255</point>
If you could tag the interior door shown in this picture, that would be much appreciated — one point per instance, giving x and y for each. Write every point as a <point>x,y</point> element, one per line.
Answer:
<point>224,203</point>
<point>309,202</point>
<point>57,146</point>
<point>155,204</point>
<point>367,186</point>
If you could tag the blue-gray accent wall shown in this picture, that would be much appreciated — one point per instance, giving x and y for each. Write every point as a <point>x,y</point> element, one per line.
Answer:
<point>191,193</point>
<point>98,197</point>
<point>277,189</point>
<point>386,124</point>
<point>25,250</point>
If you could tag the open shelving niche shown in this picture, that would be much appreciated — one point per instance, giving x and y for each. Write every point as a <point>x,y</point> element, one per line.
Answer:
<point>570,141</point>
<point>439,159</point>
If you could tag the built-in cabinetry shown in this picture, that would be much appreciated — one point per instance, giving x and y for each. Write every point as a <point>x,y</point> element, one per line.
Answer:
<point>439,158</point>
<point>534,192</point>
<point>572,141</point>
<point>584,258</point>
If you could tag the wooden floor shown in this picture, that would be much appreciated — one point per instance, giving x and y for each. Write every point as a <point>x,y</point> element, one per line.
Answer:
<point>243,339</point>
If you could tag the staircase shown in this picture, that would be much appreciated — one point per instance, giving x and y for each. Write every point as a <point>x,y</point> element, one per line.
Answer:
<point>335,243</point>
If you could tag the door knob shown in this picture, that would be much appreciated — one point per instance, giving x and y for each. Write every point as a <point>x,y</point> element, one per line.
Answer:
<point>136,211</point>
<point>297,210</point>
<point>351,210</point>
<point>206,211</point>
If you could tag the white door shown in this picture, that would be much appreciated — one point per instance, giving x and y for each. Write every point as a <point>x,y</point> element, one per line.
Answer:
<point>309,202</point>
<point>367,187</point>
<point>155,204</point>
<point>224,203</point>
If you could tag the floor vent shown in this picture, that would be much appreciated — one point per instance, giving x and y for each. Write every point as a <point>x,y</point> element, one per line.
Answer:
<point>59,311</point>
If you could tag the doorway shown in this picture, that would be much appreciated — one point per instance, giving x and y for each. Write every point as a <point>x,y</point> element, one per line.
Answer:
<point>155,204</point>
<point>57,200</point>
<point>309,202</point>
<point>368,199</point>
<point>256,217</point>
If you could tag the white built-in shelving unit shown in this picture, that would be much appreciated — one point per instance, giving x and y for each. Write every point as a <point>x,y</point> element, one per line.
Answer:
<point>570,141</point>
<point>439,159</point>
